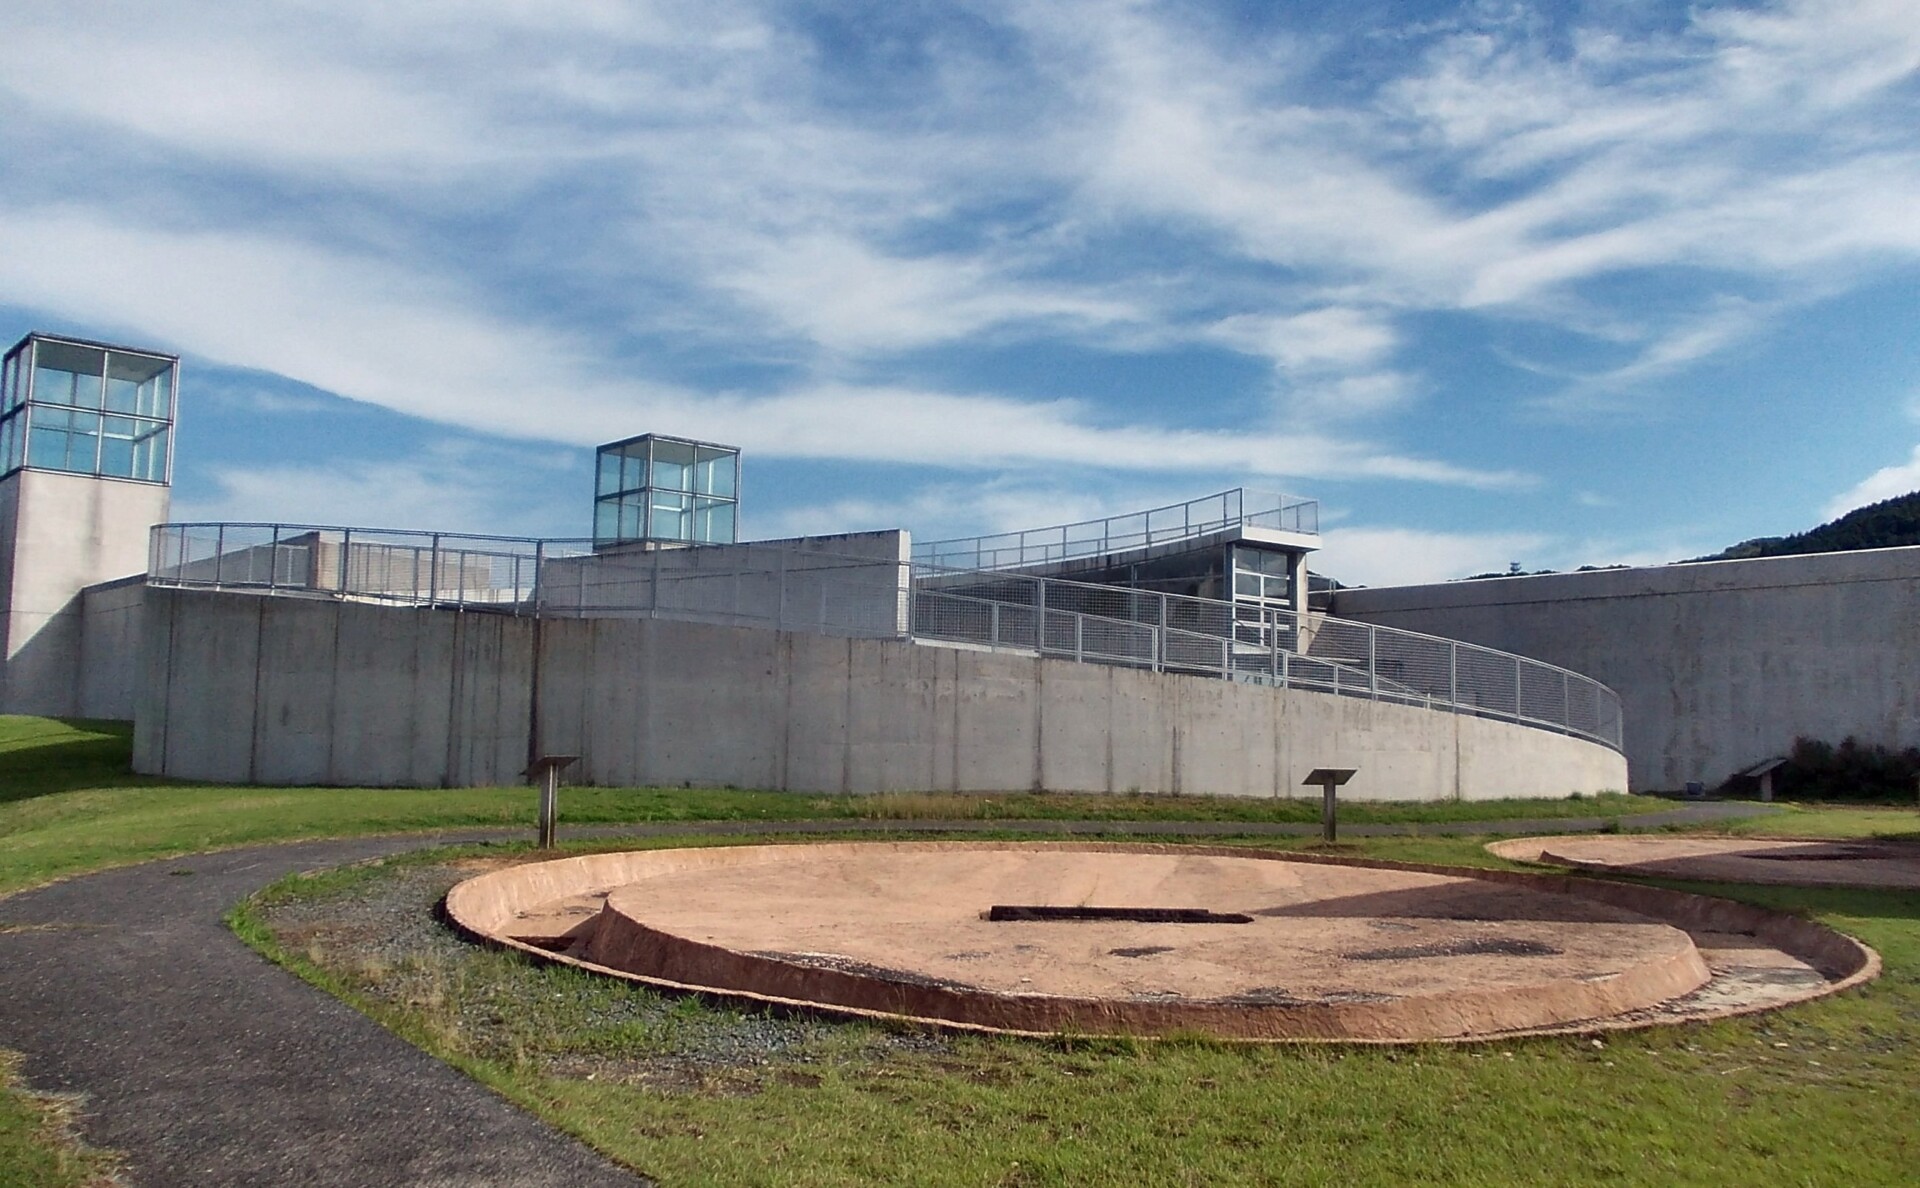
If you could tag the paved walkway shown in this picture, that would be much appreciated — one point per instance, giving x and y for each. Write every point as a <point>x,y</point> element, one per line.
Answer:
<point>208,1067</point>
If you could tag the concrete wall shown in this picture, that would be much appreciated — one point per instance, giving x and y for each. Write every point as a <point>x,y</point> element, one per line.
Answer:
<point>112,619</point>
<point>62,533</point>
<point>850,584</point>
<point>289,690</point>
<point>1719,664</point>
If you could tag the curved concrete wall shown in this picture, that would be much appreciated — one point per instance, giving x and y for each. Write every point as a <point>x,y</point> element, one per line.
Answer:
<point>284,690</point>
<point>1719,664</point>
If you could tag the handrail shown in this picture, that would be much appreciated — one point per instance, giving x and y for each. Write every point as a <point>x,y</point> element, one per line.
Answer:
<point>1233,507</point>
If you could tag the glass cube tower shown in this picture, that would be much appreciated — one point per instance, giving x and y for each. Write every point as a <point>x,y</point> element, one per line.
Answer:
<point>87,408</point>
<point>666,490</point>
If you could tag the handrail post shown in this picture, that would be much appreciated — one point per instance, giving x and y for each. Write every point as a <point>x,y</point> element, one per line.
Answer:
<point>273,559</point>
<point>1160,642</point>
<point>346,553</point>
<point>1040,617</point>
<point>433,572</point>
<point>537,594</point>
<point>1453,673</point>
<point>1373,662</point>
<point>219,556</point>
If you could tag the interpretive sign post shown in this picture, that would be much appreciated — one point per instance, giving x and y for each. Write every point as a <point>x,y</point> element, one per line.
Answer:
<point>1328,778</point>
<point>546,773</point>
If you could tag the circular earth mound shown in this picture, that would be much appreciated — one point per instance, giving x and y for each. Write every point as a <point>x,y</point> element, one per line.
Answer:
<point>1153,940</point>
<point>1891,865</point>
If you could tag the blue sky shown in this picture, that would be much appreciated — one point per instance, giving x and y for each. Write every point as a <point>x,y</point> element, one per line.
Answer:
<point>1558,284</point>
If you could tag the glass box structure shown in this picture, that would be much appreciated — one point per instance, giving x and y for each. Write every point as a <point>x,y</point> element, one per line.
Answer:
<point>653,489</point>
<point>87,408</point>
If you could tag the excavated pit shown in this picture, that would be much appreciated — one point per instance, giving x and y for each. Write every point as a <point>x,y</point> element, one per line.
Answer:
<point>1262,946</point>
<point>1889,865</point>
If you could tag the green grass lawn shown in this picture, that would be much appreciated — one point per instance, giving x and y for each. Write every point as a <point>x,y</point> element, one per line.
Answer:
<point>1832,820</point>
<point>1821,1093</point>
<point>1720,1104</point>
<point>68,803</point>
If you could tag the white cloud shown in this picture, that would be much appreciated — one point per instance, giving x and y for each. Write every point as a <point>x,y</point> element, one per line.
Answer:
<point>704,174</point>
<point>439,494</point>
<point>361,328</point>
<point>1405,556</point>
<point>1886,483</point>
<point>845,296</point>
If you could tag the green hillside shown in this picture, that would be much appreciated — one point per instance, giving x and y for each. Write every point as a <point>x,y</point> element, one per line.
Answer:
<point>1880,525</point>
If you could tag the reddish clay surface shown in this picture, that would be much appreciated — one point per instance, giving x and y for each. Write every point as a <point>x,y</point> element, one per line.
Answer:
<point>1729,859</point>
<point>1334,949</point>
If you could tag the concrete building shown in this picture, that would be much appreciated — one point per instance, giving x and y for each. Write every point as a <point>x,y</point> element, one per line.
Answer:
<point>841,663</point>
<point>1166,650</point>
<point>1719,665</point>
<point>85,462</point>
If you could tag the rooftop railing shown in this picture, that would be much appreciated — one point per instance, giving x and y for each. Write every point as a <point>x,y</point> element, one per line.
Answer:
<point>1118,534</point>
<point>864,597</point>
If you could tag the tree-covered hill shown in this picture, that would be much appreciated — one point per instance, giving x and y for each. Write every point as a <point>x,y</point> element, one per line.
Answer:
<point>1877,526</point>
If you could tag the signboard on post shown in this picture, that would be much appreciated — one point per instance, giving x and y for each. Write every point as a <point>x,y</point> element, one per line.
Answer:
<point>1328,778</point>
<point>545,773</point>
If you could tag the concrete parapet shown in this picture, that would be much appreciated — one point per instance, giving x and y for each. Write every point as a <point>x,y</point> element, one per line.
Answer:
<point>304,691</point>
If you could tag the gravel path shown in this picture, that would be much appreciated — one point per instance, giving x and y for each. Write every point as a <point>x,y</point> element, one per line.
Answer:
<point>208,1066</point>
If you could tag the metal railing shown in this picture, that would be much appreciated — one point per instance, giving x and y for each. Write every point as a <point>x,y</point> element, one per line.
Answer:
<point>1116,534</point>
<point>421,568</point>
<point>1253,642</point>
<point>881,597</point>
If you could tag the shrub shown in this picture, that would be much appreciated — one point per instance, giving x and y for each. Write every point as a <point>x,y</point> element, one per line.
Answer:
<point>1817,770</point>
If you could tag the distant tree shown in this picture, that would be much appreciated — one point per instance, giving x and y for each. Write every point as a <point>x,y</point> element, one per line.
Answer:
<point>1884,525</point>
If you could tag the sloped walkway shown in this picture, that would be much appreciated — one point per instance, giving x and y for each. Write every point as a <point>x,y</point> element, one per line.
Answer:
<point>208,1066</point>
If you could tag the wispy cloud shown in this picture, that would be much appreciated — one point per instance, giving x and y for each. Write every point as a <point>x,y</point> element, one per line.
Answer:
<point>1403,556</point>
<point>741,220</point>
<point>1888,482</point>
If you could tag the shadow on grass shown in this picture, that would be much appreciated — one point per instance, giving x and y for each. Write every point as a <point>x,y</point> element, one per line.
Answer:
<point>41,756</point>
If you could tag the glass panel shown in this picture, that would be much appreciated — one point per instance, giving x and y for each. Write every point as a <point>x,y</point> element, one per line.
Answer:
<point>52,439</point>
<point>1246,583</point>
<point>606,515</point>
<point>714,520</point>
<point>64,374</point>
<point>632,518</point>
<point>633,468</point>
<point>9,430</point>
<point>9,394</point>
<point>155,398</point>
<point>671,517</point>
<point>714,472</point>
<point>150,454</point>
<point>137,384</point>
<point>116,445</point>
<point>1261,560</point>
<point>607,477</point>
<point>673,467</point>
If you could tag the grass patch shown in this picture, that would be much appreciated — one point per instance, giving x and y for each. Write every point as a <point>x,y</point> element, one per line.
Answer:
<point>69,803</point>
<point>1832,821</point>
<point>37,1145</point>
<point>1821,1093</point>
<point>732,1099</point>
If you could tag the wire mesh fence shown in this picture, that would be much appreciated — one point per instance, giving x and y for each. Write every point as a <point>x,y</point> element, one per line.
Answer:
<point>769,586</point>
